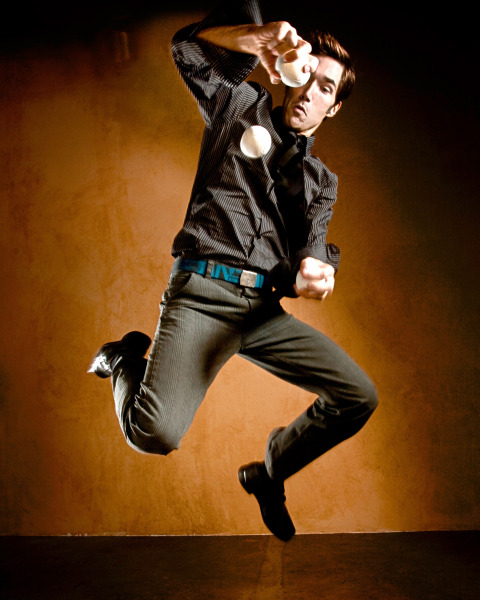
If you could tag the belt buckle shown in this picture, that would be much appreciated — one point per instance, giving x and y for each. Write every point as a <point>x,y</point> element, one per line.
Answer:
<point>248,279</point>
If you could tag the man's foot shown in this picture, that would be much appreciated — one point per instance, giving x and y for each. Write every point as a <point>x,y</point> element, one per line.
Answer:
<point>270,495</point>
<point>132,345</point>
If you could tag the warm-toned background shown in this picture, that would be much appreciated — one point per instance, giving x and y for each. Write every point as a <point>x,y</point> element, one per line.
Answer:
<point>98,153</point>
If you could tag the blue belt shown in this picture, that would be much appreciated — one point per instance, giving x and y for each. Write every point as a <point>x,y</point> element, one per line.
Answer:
<point>220,271</point>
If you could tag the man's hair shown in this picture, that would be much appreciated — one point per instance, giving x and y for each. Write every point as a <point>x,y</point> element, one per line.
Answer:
<point>324,44</point>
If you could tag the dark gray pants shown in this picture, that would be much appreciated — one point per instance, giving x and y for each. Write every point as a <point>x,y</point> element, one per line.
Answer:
<point>203,323</point>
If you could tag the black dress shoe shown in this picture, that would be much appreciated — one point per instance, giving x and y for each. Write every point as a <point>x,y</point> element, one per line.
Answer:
<point>132,345</point>
<point>270,495</point>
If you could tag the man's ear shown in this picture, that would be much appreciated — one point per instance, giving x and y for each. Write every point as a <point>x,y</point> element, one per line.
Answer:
<point>332,111</point>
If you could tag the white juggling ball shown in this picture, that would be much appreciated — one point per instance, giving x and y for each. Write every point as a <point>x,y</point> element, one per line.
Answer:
<point>255,142</point>
<point>292,73</point>
<point>301,282</point>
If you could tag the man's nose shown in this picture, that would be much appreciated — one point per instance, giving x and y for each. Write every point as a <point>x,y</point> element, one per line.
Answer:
<point>307,92</point>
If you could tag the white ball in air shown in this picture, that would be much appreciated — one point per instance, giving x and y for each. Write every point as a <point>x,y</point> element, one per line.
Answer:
<point>292,73</point>
<point>255,142</point>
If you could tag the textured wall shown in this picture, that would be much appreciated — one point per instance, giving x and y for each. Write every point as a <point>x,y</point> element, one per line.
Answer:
<point>98,154</point>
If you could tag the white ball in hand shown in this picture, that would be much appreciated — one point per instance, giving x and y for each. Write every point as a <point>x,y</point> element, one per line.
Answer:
<point>255,142</point>
<point>301,282</point>
<point>292,73</point>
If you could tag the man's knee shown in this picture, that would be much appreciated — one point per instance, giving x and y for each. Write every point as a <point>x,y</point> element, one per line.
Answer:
<point>369,397</point>
<point>358,399</point>
<point>151,440</point>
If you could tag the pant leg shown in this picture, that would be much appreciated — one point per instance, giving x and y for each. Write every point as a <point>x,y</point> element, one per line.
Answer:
<point>198,331</point>
<point>346,397</point>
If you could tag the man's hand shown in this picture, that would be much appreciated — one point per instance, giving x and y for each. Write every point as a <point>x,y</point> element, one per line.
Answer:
<point>281,39</point>
<point>320,277</point>
<point>268,42</point>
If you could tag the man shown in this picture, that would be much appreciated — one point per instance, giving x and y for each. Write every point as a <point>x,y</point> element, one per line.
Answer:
<point>251,226</point>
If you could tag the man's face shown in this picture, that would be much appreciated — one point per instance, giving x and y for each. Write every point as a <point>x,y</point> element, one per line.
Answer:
<point>304,108</point>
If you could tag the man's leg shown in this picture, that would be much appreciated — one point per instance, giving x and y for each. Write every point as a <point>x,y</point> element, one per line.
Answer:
<point>346,397</point>
<point>345,400</point>
<point>198,331</point>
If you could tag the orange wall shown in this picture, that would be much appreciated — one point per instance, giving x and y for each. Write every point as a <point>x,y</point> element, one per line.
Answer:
<point>98,158</point>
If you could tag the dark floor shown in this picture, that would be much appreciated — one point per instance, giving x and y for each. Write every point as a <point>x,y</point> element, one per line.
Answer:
<point>393,566</point>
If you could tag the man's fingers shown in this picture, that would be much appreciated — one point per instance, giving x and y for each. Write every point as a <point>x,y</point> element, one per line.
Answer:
<point>268,61</point>
<point>302,50</point>
<point>314,272</point>
<point>317,289</point>
<point>292,38</point>
<point>279,38</point>
<point>312,295</point>
<point>282,35</point>
<point>312,65</point>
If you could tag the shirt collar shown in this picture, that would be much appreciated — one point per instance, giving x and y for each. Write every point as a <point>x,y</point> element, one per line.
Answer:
<point>304,143</point>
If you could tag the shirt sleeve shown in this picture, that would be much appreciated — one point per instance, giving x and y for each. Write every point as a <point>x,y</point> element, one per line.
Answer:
<point>210,72</point>
<point>318,216</point>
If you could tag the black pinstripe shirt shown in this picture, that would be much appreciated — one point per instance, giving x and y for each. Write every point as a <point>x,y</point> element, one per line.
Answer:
<point>233,215</point>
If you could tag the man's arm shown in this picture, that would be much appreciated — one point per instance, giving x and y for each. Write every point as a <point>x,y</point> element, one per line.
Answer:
<point>318,261</point>
<point>266,42</point>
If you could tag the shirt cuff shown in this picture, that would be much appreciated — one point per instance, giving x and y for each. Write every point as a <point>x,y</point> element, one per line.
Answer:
<point>327,253</point>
